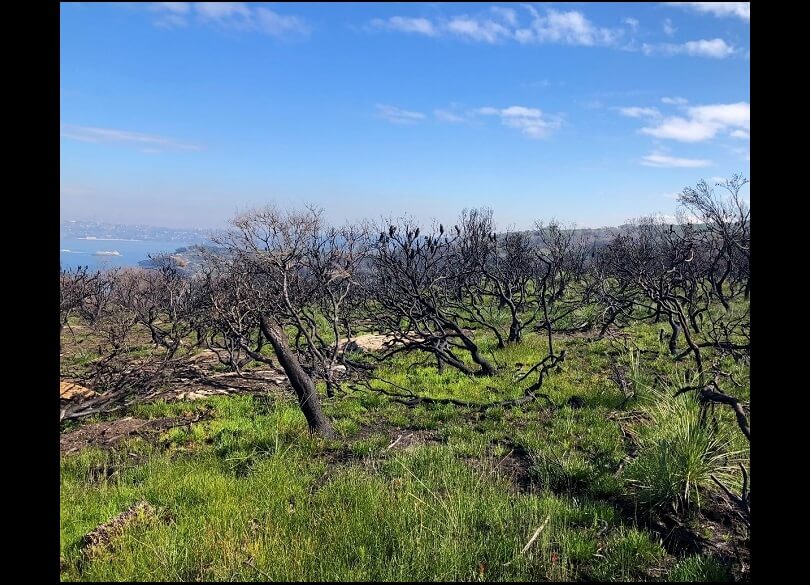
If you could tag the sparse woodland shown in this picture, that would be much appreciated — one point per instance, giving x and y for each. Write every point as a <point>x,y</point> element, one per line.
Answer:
<point>535,407</point>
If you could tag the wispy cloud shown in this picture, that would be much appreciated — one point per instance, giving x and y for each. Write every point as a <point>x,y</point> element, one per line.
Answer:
<point>674,101</point>
<point>669,28</point>
<point>221,11</point>
<point>570,28</point>
<point>173,7</point>
<point>638,112</point>
<point>529,121</point>
<point>482,30</point>
<point>171,14</point>
<point>147,142</point>
<point>420,26</point>
<point>657,159</point>
<point>741,10</point>
<point>713,49</point>
<point>449,117</point>
<point>704,122</point>
<point>506,14</point>
<point>229,15</point>
<point>632,23</point>
<point>397,115</point>
<point>502,24</point>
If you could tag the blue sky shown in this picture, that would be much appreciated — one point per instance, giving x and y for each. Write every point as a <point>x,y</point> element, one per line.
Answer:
<point>181,114</point>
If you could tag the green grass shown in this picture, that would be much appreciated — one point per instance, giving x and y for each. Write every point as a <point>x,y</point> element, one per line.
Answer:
<point>699,569</point>
<point>246,493</point>
<point>678,455</point>
<point>417,515</point>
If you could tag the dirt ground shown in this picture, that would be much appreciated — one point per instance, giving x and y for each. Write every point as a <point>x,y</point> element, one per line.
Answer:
<point>107,434</point>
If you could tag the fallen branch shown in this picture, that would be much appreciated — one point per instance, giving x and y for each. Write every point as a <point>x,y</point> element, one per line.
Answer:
<point>391,446</point>
<point>708,395</point>
<point>535,535</point>
<point>743,501</point>
<point>411,399</point>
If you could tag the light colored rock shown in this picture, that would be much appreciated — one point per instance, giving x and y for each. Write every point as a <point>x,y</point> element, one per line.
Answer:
<point>73,391</point>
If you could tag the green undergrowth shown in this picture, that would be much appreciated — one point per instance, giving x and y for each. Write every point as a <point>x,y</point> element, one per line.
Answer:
<point>431,492</point>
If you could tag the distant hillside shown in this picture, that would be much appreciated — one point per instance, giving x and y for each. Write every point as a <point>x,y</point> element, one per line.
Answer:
<point>109,231</point>
<point>187,258</point>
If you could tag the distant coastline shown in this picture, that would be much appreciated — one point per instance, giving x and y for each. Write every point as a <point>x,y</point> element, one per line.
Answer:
<point>108,239</point>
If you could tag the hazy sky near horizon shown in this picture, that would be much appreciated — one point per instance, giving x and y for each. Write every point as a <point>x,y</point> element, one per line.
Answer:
<point>181,114</point>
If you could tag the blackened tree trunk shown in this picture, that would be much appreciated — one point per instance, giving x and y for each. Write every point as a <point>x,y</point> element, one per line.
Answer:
<point>673,338</point>
<point>657,318</point>
<point>469,344</point>
<point>300,381</point>
<point>514,330</point>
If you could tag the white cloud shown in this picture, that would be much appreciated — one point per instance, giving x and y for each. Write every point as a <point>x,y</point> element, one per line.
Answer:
<point>487,31</point>
<point>713,49</point>
<point>175,7</point>
<point>506,14</point>
<point>737,115</point>
<point>222,10</point>
<point>632,23</point>
<point>447,116</point>
<point>745,135</point>
<point>397,115</point>
<point>500,24</point>
<point>740,10</point>
<point>420,26</point>
<point>278,25</point>
<point>107,135</point>
<point>571,28</point>
<point>172,14</point>
<point>682,130</point>
<point>637,112</point>
<point>674,101</point>
<point>669,28</point>
<point>230,15</point>
<point>704,122</point>
<point>530,121</point>
<point>171,20</point>
<point>656,159</point>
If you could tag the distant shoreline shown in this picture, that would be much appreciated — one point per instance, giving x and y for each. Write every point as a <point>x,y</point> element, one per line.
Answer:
<point>107,239</point>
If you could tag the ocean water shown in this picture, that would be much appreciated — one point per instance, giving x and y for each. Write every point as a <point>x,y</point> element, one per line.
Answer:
<point>75,252</point>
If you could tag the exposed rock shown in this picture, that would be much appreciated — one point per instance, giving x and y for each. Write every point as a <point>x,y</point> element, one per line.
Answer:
<point>72,391</point>
<point>202,393</point>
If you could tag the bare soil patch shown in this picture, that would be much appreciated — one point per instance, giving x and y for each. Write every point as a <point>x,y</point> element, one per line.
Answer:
<point>101,538</point>
<point>515,467</point>
<point>108,434</point>
<point>403,439</point>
